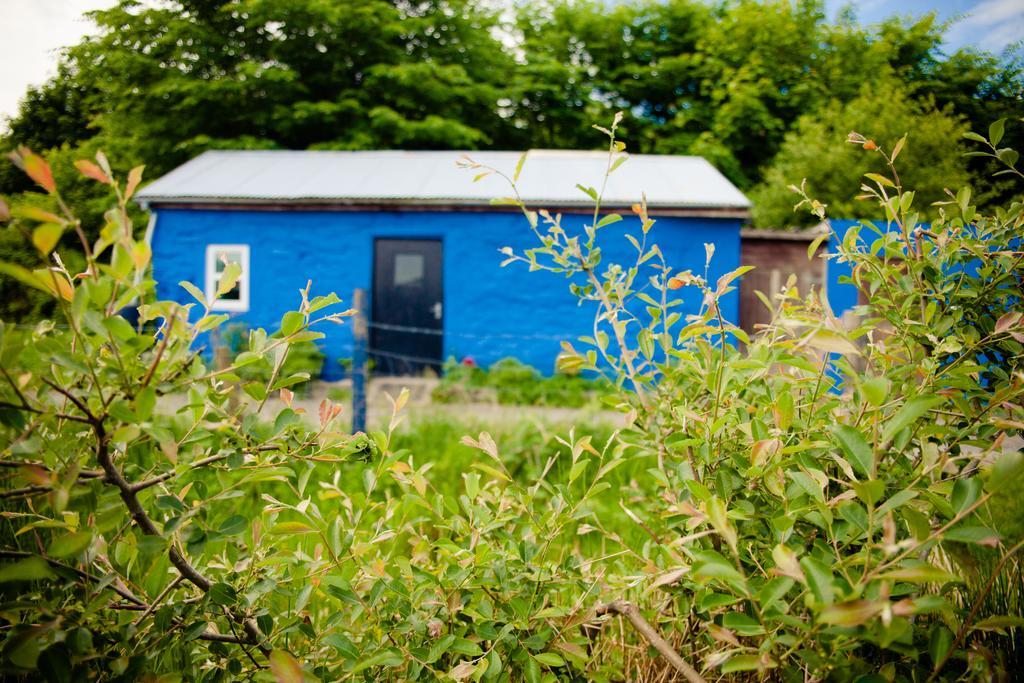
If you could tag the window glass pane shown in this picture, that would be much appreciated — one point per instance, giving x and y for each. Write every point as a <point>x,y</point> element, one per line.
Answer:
<point>225,256</point>
<point>408,269</point>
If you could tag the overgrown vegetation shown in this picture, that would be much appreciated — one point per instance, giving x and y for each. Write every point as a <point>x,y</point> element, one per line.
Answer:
<point>510,382</point>
<point>759,88</point>
<point>822,503</point>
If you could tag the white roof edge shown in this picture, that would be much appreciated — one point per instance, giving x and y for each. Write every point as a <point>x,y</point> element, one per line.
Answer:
<point>549,179</point>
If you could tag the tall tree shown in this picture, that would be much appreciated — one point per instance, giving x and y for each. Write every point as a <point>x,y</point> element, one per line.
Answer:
<point>816,150</point>
<point>348,74</point>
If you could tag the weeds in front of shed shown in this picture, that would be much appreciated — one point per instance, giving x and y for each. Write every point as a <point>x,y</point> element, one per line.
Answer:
<point>511,382</point>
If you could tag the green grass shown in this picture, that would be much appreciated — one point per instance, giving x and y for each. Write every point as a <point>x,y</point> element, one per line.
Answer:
<point>511,382</point>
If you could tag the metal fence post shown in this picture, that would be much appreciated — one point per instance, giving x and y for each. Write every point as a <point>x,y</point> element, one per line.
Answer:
<point>360,344</point>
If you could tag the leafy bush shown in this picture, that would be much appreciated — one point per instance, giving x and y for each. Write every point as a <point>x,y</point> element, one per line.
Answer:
<point>304,357</point>
<point>821,484</point>
<point>512,382</point>
<point>823,503</point>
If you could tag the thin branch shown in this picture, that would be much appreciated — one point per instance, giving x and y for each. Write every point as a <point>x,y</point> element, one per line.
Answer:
<point>632,613</point>
<point>159,351</point>
<point>156,602</point>
<point>84,474</point>
<point>37,411</point>
<point>26,492</point>
<point>74,399</point>
<point>123,592</point>
<point>142,519</point>
<point>160,478</point>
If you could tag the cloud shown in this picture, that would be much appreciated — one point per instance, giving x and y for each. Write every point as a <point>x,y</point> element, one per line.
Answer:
<point>990,25</point>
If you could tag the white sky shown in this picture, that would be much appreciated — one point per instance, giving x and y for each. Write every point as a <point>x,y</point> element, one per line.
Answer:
<point>33,31</point>
<point>31,35</point>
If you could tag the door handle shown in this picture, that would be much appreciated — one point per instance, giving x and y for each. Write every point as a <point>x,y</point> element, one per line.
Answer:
<point>437,310</point>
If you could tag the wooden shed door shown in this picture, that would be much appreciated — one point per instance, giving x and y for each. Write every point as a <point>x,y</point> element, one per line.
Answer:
<point>407,315</point>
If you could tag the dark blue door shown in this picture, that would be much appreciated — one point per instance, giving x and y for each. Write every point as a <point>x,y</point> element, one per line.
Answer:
<point>406,319</point>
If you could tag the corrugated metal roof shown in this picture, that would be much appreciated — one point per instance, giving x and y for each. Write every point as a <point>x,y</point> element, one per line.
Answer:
<point>548,179</point>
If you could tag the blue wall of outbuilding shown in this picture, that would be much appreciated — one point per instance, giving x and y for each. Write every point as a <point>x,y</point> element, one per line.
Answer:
<point>844,296</point>
<point>489,312</point>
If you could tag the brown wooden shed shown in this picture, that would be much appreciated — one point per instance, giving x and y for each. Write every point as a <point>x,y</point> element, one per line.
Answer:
<point>775,255</point>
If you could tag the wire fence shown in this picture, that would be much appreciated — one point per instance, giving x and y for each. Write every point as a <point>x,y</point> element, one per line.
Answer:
<point>405,361</point>
<point>469,335</point>
<point>392,361</point>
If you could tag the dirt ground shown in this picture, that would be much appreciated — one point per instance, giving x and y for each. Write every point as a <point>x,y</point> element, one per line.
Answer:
<point>419,406</point>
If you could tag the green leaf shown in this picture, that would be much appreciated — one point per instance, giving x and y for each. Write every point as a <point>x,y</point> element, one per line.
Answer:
<point>869,491</point>
<point>24,276</point>
<point>895,501</point>
<point>875,390</point>
<point>233,525</point>
<point>819,580</point>
<point>833,342</point>
<point>194,631</point>
<point>995,131</point>
<point>46,236</point>
<point>550,659</point>
<point>257,390</point>
<point>910,413</point>
<point>291,322</point>
<point>880,179</point>
<point>223,594</point>
<point>323,301</point>
<point>439,647</point>
<point>29,569</point>
<point>589,191</point>
<point>743,624</point>
<point>921,573</point>
<point>813,246</point>
<point>856,449</point>
<point>532,671</point>
<point>741,663</point>
<point>291,380</point>
<point>965,493</point>
<point>286,669</point>
<point>69,545</point>
<point>852,613</point>
<point>973,534</point>
<point>519,167</point>
<point>386,658</point>
<point>939,643</point>
<point>119,327</point>
<point>145,401</point>
<point>196,293</point>
<point>1008,156</point>
<point>717,515</point>
<point>209,322</point>
<point>291,528</point>
<point>774,590</point>
<point>228,278</point>
<point>609,219</point>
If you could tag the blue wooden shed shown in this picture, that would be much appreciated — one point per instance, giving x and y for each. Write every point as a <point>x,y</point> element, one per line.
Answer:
<point>415,231</point>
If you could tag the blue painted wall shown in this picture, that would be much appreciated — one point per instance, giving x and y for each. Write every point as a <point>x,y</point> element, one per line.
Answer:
<point>843,296</point>
<point>489,312</point>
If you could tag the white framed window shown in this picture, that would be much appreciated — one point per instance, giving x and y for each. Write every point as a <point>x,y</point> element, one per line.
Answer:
<point>218,256</point>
